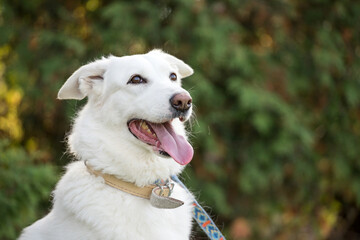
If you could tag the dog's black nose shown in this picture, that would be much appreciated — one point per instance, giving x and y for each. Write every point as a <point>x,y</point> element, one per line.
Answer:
<point>181,101</point>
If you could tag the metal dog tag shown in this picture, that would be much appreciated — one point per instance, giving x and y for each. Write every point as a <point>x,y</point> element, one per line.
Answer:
<point>159,198</point>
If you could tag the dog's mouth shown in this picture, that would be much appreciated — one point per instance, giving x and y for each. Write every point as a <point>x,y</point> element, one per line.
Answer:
<point>163,139</point>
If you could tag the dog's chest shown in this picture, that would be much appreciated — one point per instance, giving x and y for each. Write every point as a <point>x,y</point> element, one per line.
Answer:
<point>113,214</point>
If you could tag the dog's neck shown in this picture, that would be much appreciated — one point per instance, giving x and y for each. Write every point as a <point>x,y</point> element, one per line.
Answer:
<point>108,148</point>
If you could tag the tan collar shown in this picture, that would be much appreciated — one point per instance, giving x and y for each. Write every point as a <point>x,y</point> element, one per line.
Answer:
<point>159,195</point>
<point>117,183</point>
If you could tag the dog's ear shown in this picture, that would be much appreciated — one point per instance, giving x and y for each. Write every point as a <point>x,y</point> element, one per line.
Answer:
<point>87,79</point>
<point>184,69</point>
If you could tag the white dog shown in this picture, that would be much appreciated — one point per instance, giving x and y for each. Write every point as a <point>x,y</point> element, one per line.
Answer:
<point>130,130</point>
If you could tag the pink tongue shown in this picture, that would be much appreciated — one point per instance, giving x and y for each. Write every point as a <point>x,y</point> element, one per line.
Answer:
<point>175,145</point>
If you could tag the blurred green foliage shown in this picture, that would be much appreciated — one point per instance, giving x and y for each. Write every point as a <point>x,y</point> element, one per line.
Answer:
<point>276,89</point>
<point>24,187</point>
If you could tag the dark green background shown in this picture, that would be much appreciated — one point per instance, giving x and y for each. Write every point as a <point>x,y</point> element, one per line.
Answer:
<point>277,100</point>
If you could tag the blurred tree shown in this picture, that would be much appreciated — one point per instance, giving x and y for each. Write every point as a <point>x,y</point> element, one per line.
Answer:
<point>276,88</point>
<point>24,183</point>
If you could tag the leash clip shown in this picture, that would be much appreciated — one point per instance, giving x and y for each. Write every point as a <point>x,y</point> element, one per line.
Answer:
<point>168,185</point>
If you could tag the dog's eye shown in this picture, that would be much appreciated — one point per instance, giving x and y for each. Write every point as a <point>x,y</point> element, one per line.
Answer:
<point>136,79</point>
<point>173,77</point>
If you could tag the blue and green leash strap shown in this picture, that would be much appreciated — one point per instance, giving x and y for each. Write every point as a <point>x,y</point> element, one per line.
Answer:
<point>201,217</point>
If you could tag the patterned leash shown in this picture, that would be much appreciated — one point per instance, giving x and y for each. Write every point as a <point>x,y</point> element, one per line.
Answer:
<point>201,217</point>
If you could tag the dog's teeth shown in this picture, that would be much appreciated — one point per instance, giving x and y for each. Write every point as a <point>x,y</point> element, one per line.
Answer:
<point>154,134</point>
<point>144,126</point>
<point>148,130</point>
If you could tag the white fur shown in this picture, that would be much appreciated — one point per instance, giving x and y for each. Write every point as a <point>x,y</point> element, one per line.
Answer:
<point>84,207</point>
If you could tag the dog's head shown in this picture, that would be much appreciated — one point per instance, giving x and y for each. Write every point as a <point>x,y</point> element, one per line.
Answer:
<point>141,97</point>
